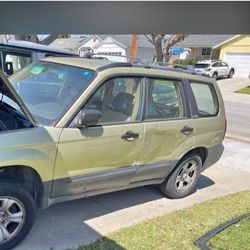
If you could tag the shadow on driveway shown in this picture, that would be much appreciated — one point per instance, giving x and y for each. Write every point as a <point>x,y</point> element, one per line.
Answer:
<point>62,225</point>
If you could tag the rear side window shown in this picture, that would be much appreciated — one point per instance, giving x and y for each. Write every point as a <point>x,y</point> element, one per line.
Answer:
<point>164,99</point>
<point>206,99</point>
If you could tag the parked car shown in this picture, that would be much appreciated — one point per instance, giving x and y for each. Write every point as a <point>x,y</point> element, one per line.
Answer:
<point>215,68</point>
<point>74,128</point>
<point>15,55</point>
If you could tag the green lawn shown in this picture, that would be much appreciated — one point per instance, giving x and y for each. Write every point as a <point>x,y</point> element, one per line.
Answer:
<point>245,90</point>
<point>236,236</point>
<point>180,229</point>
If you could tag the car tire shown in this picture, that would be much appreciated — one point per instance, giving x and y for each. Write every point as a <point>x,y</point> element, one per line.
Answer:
<point>215,76</point>
<point>17,214</point>
<point>183,179</point>
<point>231,73</point>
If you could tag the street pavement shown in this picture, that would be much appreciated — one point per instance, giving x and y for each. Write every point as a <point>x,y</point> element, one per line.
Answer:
<point>237,107</point>
<point>70,224</point>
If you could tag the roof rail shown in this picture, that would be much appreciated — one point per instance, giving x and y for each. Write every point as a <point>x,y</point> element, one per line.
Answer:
<point>115,65</point>
<point>91,55</point>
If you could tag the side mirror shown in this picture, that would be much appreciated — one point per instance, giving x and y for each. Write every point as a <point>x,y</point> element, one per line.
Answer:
<point>88,117</point>
<point>8,68</point>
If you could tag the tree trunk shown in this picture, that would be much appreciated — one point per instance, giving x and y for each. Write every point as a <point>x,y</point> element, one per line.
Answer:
<point>158,48</point>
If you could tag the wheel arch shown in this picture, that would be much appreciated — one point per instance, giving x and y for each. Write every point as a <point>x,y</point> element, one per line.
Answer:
<point>201,151</point>
<point>27,177</point>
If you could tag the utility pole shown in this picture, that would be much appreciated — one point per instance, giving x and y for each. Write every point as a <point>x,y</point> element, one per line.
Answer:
<point>133,47</point>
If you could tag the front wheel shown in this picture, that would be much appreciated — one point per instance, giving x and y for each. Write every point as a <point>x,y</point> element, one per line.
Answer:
<point>17,214</point>
<point>183,180</point>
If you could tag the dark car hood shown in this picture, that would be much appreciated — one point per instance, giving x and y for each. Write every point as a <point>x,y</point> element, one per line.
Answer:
<point>7,89</point>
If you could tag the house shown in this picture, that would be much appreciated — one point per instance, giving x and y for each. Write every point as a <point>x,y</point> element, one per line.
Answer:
<point>202,46</point>
<point>112,46</point>
<point>233,49</point>
<point>236,52</point>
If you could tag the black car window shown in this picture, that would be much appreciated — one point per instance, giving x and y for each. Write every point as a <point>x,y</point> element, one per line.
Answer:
<point>163,100</point>
<point>118,99</point>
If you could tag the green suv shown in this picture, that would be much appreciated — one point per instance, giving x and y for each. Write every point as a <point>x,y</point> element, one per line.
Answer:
<point>73,128</point>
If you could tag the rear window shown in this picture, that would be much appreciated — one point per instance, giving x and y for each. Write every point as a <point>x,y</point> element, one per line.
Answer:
<point>206,99</point>
<point>201,65</point>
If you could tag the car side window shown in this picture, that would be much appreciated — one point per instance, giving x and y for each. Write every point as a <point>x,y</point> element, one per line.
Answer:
<point>15,61</point>
<point>164,99</point>
<point>206,99</point>
<point>216,64</point>
<point>118,99</point>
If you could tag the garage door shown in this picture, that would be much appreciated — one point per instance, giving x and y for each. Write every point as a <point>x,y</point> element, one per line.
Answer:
<point>240,61</point>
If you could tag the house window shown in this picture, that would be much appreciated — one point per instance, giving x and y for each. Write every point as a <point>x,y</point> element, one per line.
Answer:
<point>206,51</point>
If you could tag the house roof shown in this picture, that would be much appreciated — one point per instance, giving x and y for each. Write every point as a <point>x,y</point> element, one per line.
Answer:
<point>109,39</point>
<point>71,44</point>
<point>126,40</point>
<point>202,41</point>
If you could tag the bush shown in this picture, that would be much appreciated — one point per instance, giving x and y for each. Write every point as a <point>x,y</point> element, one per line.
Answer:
<point>185,62</point>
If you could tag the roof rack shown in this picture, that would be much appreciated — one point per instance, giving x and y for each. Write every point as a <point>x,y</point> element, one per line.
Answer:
<point>149,66</point>
<point>90,55</point>
<point>136,62</point>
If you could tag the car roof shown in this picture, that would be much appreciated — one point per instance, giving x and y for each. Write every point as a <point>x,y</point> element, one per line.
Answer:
<point>101,65</point>
<point>34,46</point>
<point>208,61</point>
<point>93,64</point>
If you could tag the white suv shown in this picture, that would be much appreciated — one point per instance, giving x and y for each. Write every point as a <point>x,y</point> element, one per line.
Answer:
<point>214,69</point>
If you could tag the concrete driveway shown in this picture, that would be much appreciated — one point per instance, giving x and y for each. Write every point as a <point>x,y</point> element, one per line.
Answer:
<point>70,224</point>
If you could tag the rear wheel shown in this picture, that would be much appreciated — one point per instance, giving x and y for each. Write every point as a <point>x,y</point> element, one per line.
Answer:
<point>231,73</point>
<point>183,180</point>
<point>17,214</point>
<point>215,76</point>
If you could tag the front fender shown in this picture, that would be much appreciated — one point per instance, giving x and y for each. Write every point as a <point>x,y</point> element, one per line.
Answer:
<point>35,147</point>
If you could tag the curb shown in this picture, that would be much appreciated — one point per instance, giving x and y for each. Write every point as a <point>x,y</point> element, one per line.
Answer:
<point>201,242</point>
<point>238,138</point>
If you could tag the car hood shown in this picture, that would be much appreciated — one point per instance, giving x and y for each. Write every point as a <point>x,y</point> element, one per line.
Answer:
<point>7,89</point>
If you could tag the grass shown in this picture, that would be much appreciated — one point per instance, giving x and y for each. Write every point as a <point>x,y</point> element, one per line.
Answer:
<point>180,229</point>
<point>245,90</point>
<point>236,236</point>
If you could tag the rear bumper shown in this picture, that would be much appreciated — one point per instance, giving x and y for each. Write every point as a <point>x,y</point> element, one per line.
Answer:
<point>213,155</point>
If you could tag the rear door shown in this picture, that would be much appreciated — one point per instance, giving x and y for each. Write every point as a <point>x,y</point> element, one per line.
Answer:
<point>169,129</point>
<point>225,68</point>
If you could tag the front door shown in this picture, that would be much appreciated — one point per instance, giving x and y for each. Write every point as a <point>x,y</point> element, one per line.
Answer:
<point>103,156</point>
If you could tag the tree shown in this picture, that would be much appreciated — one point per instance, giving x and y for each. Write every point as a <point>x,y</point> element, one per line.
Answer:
<point>163,44</point>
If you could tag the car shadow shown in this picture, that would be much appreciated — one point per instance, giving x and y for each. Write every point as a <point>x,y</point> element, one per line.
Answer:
<point>64,225</point>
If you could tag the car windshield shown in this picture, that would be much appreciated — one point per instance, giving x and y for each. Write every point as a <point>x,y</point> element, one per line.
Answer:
<point>48,89</point>
<point>201,65</point>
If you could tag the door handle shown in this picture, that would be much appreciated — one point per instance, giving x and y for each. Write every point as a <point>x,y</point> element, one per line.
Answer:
<point>186,130</point>
<point>130,136</point>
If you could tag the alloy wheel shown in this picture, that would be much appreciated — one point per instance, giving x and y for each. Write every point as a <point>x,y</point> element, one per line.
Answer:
<point>186,176</point>
<point>12,217</point>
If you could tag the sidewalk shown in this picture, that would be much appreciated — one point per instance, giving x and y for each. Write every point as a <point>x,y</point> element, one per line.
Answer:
<point>229,86</point>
